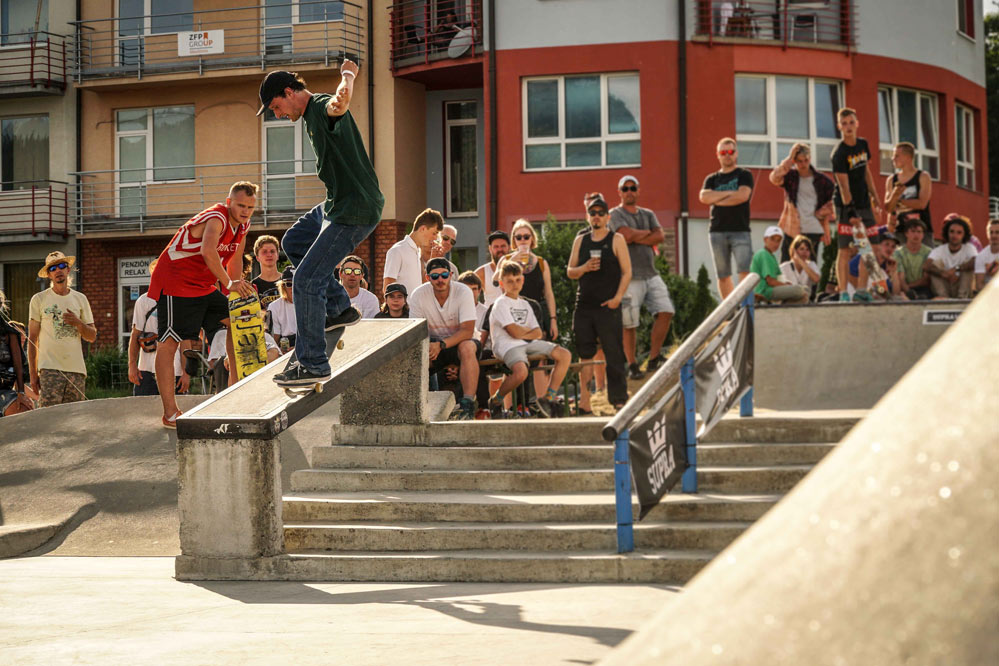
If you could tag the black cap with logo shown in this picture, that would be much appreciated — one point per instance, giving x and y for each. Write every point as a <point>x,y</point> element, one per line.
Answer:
<point>273,85</point>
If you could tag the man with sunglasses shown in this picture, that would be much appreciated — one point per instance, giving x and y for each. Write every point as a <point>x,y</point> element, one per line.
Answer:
<point>352,269</point>
<point>728,191</point>
<point>449,308</point>
<point>59,320</point>
<point>642,232</point>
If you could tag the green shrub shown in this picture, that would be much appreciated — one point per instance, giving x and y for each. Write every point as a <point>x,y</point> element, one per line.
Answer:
<point>107,369</point>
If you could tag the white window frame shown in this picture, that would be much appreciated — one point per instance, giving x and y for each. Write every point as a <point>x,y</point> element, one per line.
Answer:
<point>965,115</point>
<point>969,19</point>
<point>148,134</point>
<point>448,124</point>
<point>561,139</point>
<point>147,30</point>
<point>888,147</point>
<point>299,150</point>
<point>137,281</point>
<point>48,139</point>
<point>42,33</point>
<point>814,141</point>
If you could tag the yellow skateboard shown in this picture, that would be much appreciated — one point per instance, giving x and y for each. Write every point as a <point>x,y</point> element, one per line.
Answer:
<point>246,324</point>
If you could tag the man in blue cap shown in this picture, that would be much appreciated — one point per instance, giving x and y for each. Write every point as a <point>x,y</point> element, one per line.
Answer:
<point>320,240</point>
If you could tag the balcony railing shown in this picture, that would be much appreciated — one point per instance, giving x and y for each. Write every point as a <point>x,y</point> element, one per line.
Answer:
<point>785,22</point>
<point>33,63</point>
<point>110,201</point>
<point>251,36</point>
<point>35,207</point>
<point>425,31</point>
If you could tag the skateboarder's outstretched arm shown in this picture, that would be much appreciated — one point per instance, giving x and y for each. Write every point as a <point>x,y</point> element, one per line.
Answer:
<point>345,91</point>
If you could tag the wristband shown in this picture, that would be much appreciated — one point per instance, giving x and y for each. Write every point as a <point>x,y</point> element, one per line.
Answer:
<point>344,72</point>
<point>228,286</point>
<point>443,344</point>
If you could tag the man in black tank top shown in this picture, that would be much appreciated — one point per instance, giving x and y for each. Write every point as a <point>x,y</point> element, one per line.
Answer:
<point>600,261</point>
<point>909,188</point>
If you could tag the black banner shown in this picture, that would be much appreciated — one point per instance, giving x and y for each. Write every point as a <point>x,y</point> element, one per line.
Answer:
<point>657,446</point>
<point>723,370</point>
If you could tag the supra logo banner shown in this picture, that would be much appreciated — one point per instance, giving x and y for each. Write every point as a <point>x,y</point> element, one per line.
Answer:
<point>723,371</point>
<point>657,447</point>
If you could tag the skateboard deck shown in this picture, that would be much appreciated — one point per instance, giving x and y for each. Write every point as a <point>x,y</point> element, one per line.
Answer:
<point>877,277</point>
<point>246,324</point>
<point>333,342</point>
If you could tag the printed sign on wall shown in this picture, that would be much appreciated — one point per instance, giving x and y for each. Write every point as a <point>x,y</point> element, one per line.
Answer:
<point>203,42</point>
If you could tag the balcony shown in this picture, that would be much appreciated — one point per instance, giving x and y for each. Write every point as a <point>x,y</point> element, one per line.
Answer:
<point>799,23</point>
<point>33,64</point>
<point>114,201</point>
<point>34,211</point>
<point>257,36</point>
<point>434,34</point>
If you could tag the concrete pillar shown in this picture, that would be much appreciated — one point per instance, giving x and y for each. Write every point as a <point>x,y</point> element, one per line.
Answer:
<point>394,394</point>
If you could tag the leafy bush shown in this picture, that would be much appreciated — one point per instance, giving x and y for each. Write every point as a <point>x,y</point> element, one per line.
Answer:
<point>107,369</point>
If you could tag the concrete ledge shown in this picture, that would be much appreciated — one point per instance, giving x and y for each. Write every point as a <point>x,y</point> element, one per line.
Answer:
<point>20,539</point>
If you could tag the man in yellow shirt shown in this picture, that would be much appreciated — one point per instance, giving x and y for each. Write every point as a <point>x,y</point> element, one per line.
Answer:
<point>59,318</point>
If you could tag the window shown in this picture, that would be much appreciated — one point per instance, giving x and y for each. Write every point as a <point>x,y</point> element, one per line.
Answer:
<point>908,115</point>
<point>17,20</point>
<point>461,159</point>
<point>153,145</point>
<point>287,153</point>
<point>966,17</point>
<point>281,15</point>
<point>965,135</point>
<point>573,122</point>
<point>772,113</point>
<point>149,17</point>
<point>24,151</point>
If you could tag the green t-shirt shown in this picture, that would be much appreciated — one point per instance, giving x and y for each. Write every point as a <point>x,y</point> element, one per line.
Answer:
<point>765,265</point>
<point>911,263</point>
<point>342,164</point>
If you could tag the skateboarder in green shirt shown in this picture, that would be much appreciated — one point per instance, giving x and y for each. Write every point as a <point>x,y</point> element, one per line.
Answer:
<point>322,238</point>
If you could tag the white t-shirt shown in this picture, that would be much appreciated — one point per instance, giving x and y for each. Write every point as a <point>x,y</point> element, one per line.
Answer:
<point>942,255</point>
<point>490,292</point>
<point>282,318</point>
<point>403,264</point>
<point>442,320</point>
<point>147,360</point>
<point>218,351</point>
<point>807,198</point>
<point>508,311</point>
<point>60,346</point>
<point>366,302</point>
<point>984,258</point>
<point>791,274</point>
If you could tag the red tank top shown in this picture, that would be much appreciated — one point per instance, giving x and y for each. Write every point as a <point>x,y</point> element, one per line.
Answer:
<point>181,270</point>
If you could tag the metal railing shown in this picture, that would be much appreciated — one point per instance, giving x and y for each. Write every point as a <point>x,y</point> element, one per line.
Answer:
<point>425,31</point>
<point>680,365</point>
<point>33,59</point>
<point>249,36</point>
<point>994,208</point>
<point>34,207</point>
<point>113,200</point>
<point>785,22</point>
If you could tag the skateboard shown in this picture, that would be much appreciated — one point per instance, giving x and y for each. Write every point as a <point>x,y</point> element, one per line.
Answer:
<point>333,342</point>
<point>246,324</point>
<point>877,277</point>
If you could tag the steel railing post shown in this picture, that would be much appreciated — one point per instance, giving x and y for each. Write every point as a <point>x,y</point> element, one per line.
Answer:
<point>746,404</point>
<point>32,210</point>
<point>622,495</point>
<point>50,208</point>
<point>31,61</point>
<point>689,481</point>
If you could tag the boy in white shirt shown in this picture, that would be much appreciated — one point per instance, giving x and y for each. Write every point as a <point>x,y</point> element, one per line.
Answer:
<point>516,335</point>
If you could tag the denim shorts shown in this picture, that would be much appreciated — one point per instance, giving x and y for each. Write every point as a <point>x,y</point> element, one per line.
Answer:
<point>726,243</point>
<point>652,293</point>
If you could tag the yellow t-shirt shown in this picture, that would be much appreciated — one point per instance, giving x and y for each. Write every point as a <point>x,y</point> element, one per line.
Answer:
<point>59,344</point>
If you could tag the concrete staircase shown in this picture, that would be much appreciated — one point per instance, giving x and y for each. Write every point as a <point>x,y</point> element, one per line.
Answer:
<point>529,501</point>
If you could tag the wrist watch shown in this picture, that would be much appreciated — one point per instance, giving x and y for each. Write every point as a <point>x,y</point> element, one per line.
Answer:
<point>443,344</point>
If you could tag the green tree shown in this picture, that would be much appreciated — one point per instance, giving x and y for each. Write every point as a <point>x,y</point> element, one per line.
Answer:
<point>992,94</point>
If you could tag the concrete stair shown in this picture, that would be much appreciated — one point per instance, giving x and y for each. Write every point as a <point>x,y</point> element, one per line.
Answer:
<point>529,501</point>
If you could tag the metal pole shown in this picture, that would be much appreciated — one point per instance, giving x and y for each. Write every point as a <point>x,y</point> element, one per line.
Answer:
<point>689,481</point>
<point>32,210</point>
<point>746,404</point>
<point>622,495</point>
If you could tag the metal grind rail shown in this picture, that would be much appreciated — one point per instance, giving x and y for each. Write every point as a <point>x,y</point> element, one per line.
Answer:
<point>680,365</point>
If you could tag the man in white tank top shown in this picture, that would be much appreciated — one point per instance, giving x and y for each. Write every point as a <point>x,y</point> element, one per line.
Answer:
<point>499,246</point>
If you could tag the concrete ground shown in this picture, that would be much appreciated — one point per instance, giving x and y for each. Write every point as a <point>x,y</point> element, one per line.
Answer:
<point>118,610</point>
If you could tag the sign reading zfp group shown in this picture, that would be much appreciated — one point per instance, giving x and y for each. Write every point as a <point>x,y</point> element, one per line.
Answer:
<point>201,42</point>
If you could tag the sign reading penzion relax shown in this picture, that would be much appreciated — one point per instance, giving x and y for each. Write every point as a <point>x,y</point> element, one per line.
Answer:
<point>200,43</point>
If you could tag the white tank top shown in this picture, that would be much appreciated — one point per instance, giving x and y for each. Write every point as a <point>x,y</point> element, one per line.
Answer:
<point>489,292</point>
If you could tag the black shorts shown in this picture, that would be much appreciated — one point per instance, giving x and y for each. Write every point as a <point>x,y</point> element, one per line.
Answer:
<point>844,229</point>
<point>183,317</point>
<point>450,357</point>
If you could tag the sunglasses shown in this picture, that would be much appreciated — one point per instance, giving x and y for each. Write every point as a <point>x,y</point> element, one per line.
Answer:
<point>448,239</point>
<point>352,271</point>
<point>526,237</point>
<point>55,267</point>
<point>729,151</point>
<point>630,188</point>
<point>596,212</point>
<point>443,275</point>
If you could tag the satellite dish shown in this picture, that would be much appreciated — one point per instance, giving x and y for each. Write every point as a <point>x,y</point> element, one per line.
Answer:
<point>461,42</point>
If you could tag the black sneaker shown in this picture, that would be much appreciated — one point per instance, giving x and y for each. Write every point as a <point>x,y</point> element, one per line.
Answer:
<point>496,410</point>
<point>463,411</point>
<point>654,363</point>
<point>634,372</point>
<point>299,376</point>
<point>552,407</point>
<point>348,317</point>
<point>539,408</point>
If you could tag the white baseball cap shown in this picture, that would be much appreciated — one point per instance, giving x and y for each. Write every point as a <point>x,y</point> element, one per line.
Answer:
<point>625,179</point>
<point>773,231</point>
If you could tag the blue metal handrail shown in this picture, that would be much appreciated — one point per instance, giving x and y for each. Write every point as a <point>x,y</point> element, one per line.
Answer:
<point>679,365</point>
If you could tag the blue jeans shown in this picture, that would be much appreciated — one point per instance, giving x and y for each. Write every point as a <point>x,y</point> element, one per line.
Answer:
<point>315,246</point>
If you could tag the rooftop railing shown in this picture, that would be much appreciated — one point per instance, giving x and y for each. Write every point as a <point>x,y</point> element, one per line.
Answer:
<point>115,200</point>
<point>994,208</point>
<point>263,36</point>
<point>33,62</point>
<point>34,207</point>
<point>425,31</point>
<point>784,22</point>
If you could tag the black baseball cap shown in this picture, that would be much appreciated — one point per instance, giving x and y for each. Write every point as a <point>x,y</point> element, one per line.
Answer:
<point>438,262</point>
<point>502,235</point>
<point>273,85</point>
<point>396,286</point>
<point>288,274</point>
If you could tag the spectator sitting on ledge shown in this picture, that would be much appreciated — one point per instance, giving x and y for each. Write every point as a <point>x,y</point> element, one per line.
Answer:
<point>771,287</point>
<point>911,258</point>
<point>801,269</point>
<point>860,279</point>
<point>395,306</point>
<point>952,263</point>
<point>987,261</point>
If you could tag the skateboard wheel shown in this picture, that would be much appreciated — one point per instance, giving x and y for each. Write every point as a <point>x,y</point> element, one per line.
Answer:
<point>318,388</point>
<point>339,344</point>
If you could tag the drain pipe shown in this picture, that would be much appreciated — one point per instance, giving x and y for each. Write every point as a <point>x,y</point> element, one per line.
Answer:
<point>493,223</point>
<point>371,124</point>
<point>681,20</point>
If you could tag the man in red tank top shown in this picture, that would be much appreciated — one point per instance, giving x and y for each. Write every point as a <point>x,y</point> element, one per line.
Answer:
<point>207,251</point>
